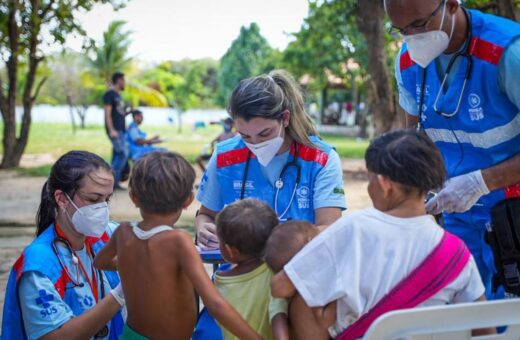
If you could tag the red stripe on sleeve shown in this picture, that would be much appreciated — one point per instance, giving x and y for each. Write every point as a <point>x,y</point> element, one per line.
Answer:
<point>485,50</point>
<point>512,191</point>
<point>233,157</point>
<point>18,267</point>
<point>405,61</point>
<point>311,154</point>
<point>61,283</point>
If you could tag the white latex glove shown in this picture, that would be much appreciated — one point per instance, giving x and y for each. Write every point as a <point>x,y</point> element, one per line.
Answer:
<point>207,236</point>
<point>459,194</point>
<point>118,294</point>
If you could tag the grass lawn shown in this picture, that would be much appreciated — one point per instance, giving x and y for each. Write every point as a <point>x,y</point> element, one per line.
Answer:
<point>57,139</point>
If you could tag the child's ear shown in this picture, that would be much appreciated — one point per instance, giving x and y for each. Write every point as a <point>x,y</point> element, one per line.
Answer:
<point>188,201</point>
<point>232,252</point>
<point>385,184</point>
<point>134,199</point>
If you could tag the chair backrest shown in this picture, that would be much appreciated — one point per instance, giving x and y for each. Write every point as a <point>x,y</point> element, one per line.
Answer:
<point>453,322</point>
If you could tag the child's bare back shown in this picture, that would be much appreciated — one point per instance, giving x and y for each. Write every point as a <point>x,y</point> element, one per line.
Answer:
<point>159,296</point>
<point>159,266</point>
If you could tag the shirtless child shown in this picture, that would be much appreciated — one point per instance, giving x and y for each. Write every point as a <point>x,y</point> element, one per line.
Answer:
<point>158,264</point>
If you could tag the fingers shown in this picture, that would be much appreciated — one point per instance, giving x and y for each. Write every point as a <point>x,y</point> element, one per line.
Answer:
<point>207,238</point>
<point>433,206</point>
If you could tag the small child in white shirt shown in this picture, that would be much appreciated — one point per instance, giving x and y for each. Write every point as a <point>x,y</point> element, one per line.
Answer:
<point>346,270</point>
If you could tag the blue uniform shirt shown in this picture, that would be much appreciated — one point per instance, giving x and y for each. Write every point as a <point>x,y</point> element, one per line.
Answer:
<point>43,309</point>
<point>508,75</point>
<point>324,194</point>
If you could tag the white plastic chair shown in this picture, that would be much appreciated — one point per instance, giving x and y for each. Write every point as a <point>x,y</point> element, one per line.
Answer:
<point>450,322</point>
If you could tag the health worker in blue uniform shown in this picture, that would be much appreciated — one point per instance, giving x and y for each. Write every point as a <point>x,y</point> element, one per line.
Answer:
<point>277,157</point>
<point>457,73</point>
<point>54,291</point>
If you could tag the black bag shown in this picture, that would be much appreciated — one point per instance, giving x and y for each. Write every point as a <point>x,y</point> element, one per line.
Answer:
<point>504,239</point>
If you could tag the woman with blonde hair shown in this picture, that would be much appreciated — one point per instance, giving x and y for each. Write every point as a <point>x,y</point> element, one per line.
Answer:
<point>276,157</point>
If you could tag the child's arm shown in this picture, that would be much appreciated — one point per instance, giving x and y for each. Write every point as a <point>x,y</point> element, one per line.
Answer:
<point>280,326</point>
<point>106,258</point>
<point>219,308</point>
<point>281,286</point>
<point>325,316</point>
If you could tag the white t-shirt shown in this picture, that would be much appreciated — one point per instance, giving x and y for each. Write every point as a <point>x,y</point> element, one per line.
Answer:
<point>362,256</point>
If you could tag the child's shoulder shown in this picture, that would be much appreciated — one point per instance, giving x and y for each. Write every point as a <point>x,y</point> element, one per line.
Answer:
<point>122,229</point>
<point>176,237</point>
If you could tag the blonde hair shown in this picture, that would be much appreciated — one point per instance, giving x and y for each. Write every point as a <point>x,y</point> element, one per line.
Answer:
<point>268,96</point>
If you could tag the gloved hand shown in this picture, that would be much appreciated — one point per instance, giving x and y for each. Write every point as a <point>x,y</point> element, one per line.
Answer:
<point>118,294</point>
<point>207,236</point>
<point>459,194</point>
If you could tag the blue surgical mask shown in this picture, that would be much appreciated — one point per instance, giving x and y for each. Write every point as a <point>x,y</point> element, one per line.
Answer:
<point>227,127</point>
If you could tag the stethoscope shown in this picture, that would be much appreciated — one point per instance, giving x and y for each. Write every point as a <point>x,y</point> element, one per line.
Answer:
<point>96,273</point>
<point>465,53</point>
<point>279,183</point>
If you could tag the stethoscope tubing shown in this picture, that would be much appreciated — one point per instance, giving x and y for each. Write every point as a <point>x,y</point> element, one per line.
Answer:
<point>466,54</point>
<point>75,282</point>
<point>279,182</point>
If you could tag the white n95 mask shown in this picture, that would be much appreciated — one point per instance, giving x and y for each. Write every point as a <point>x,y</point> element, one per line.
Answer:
<point>266,151</point>
<point>90,220</point>
<point>425,47</point>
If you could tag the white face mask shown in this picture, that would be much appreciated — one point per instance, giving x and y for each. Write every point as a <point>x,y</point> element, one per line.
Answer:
<point>425,47</point>
<point>266,151</point>
<point>90,220</point>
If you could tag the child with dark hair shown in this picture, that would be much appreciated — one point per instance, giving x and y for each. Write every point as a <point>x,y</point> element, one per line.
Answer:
<point>158,264</point>
<point>243,229</point>
<point>388,257</point>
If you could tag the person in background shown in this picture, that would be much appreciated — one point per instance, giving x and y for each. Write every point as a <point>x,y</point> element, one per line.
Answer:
<point>115,125</point>
<point>138,143</point>
<point>228,133</point>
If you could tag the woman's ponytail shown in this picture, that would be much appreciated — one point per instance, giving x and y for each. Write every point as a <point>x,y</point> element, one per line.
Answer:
<point>300,125</point>
<point>46,211</point>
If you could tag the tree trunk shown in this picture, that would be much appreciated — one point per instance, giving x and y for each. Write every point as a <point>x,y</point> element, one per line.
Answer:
<point>506,8</point>
<point>179,116</point>
<point>323,104</point>
<point>370,17</point>
<point>11,158</point>
<point>82,112</point>
<point>14,146</point>
<point>71,113</point>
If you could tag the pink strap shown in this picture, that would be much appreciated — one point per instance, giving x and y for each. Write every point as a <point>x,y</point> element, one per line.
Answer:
<point>437,270</point>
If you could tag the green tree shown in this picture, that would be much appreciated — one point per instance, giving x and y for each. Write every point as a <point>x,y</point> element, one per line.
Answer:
<point>69,83</point>
<point>24,26</point>
<point>338,34</point>
<point>245,58</point>
<point>111,54</point>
